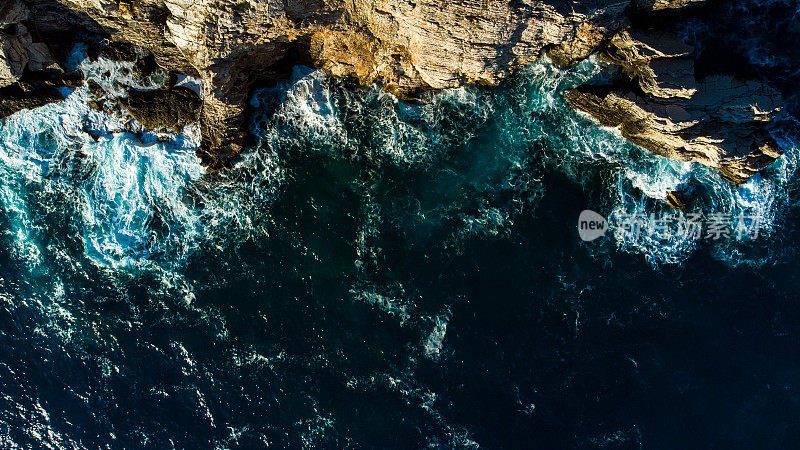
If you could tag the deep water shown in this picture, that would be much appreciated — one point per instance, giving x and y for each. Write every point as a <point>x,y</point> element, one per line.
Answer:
<point>376,273</point>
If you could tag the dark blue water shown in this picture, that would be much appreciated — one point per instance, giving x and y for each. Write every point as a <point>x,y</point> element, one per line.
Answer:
<point>374,273</point>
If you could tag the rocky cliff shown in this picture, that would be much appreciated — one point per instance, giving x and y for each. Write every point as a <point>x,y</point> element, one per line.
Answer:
<point>658,102</point>
<point>410,46</point>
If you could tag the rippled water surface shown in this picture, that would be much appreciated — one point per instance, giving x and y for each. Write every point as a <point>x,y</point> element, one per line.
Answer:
<point>384,273</point>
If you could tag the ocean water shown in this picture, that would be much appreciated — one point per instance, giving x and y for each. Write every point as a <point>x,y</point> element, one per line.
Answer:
<point>378,273</point>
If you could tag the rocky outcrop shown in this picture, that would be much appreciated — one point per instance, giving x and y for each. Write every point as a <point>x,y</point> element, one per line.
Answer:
<point>29,73</point>
<point>410,46</point>
<point>657,103</point>
<point>163,109</point>
<point>417,45</point>
<point>664,5</point>
<point>407,45</point>
<point>18,51</point>
<point>35,90</point>
<point>682,197</point>
<point>150,102</point>
<point>13,99</point>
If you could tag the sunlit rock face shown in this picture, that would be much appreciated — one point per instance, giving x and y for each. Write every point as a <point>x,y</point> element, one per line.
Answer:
<point>407,46</point>
<point>658,103</point>
<point>412,46</point>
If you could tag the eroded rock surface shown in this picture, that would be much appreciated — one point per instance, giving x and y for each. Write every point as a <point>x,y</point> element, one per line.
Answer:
<point>407,45</point>
<point>413,45</point>
<point>163,109</point>
<point>664,5</point>
<point>719,121</point>
<point>13,99</point>
<point>18,49</point>
<point>29,72</point>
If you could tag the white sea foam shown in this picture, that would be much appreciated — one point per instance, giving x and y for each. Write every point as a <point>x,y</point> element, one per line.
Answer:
<point>192,83</point>
<point>301,108</point>
<point>435,340</point>
<point>131,187</point>
<point>305,109</point>
<point>392,306</point>
<point>128,188</point>
<point>528,111</point>
<point>638,181</point>
<point>115,77</point>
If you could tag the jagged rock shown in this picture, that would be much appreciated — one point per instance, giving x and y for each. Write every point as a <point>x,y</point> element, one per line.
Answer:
<point>13,99</point>
<point>664,5</point>
<point>163,109</point>
<point>13,58</point>
<point>682,197</point>
<point>18,51</point>
<point>718,121</point>
<point>407,45</point>
<point>119,51</point>
<point>643,53</point>
<point>95,90</point>
<point>29,73</point>
<point>586,40</point>
<point>144,63</point>
<point>13,12</point>
<point>95,105</point>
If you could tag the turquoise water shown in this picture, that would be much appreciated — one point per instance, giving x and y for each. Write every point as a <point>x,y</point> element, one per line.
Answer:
<point>383,273</point>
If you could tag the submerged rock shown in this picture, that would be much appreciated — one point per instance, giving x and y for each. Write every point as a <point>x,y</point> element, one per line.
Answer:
<point>682,197</point>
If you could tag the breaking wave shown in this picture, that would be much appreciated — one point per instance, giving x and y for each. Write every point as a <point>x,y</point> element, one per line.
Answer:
<point>126,188</point>
<point>521,131</point>
<point>136,193</point>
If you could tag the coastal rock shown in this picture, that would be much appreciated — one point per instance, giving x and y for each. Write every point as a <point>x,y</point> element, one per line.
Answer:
<point>682,197</point>
<point>657,103</point>
<point>18,51</point>
<point>12,12</point>
<point>660,63</point>
<point>409,46</point>
<point>13,99</point>
<point>664,5</point>
<point>29,73</point>
<point>13,58</point>
<point>162,109</point>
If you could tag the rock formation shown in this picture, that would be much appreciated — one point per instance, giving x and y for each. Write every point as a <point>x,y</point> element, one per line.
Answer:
<point>659,104</point>
<point>163,109</point>
<point>29,73</point>
<point>414,45</point>
<point>18,51</point>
